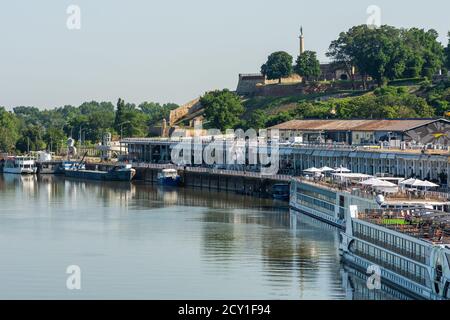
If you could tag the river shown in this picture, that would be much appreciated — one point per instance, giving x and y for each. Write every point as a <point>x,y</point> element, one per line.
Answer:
<point>137,241</point>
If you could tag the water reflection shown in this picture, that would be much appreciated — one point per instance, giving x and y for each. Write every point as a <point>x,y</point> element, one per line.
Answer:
<point>142,241</point>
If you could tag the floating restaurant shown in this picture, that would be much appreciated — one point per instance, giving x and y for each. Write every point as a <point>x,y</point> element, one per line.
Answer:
<point>411,248</point>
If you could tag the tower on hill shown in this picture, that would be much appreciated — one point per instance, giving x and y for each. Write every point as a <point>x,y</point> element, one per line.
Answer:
<point>302,41</point>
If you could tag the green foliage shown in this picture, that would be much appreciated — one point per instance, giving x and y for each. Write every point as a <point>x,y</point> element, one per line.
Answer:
<point>129,120</point>
<point>279,118</point>
<point>307,65</point>
<point>34,129</point>
<point>408,81</point>
<point>388,53</point>
<point>9,133</point>
<point>31,139</point>
<point>222,109</point>
<point>317,110</point>
<point>439,98</point>
<point>388,102</point>
<point>257,120</point>
<point>278,66</point>
<point>157,112</point>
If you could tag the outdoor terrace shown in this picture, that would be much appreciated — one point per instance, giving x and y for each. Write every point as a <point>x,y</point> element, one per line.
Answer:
<point>355,188</point>
<point>427,225</point>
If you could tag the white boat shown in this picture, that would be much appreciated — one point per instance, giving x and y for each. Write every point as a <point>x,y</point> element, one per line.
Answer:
<point>169,177</point>
<point>20,165</point>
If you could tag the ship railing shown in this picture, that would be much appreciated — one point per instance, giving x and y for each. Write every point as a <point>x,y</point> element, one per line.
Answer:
<point>391,247</point>
<point>391,267</point>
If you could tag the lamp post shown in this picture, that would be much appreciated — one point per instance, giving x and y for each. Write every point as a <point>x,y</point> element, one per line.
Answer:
<point>83,134</point>
<point>121,134</point>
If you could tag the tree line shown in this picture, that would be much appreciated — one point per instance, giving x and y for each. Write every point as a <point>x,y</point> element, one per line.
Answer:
<point>28,128</point>
<point>384,53</point>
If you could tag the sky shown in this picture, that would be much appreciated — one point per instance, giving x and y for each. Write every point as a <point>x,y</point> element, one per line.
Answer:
<point>171,50</point>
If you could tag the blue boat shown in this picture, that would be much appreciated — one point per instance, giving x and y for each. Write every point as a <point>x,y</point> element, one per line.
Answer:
<point>169,177</point>
<point>280,191</point>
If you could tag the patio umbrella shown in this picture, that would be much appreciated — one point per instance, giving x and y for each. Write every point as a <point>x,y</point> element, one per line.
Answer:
<point>381,185</point>
<point>428,184</point>
<point>374,182</point>
<point>342,170</point>
<point>326,169</point>
<point>408,181</point>
<point>419,183</point>
<point>312,170</point>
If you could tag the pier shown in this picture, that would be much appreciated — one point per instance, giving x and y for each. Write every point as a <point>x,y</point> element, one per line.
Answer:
<point>294,158</point>
<point>242,182</point>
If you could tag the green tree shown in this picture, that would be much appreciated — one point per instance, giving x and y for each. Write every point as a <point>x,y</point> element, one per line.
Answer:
<point>9,133</point>
<point>388,53</point>
<point>54,138</point>
<point>222,109</point>
<point>307,65</point>
<point>257,120</point>
<point>281,117</point>
<point>342,55</point>
<point>31,139</point>
<point>130,121</point>
<point>278,66</point>
<point>156,112</point>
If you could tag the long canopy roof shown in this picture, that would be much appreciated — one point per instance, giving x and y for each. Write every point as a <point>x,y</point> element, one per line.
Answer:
<point>399,125</point>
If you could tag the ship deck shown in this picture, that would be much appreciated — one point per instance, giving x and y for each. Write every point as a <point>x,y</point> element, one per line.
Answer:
<point>427,225</point>
<point>401,197</point>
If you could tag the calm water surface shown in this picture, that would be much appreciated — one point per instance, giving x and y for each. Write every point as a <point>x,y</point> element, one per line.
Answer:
<point>135,241</point>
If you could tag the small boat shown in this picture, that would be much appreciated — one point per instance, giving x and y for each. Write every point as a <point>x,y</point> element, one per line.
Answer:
<point>46,165</point>
<point>280,191</point>
<point>117,173</point>
<point>20,165</point>
<point>169,177</point>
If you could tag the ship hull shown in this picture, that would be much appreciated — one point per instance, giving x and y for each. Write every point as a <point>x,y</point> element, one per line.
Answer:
<point>126,175</point>
<point>19,171</point>
<point>169,181</point>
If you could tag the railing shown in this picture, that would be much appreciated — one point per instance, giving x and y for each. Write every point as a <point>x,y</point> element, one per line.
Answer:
<point>391,267</point>
<point>391,247</point>
<point>251,174</point>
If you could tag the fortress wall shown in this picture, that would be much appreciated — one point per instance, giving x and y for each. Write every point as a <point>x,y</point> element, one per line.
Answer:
<point>179,113</point>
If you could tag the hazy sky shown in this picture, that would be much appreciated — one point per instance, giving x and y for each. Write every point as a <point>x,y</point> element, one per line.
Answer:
<point>147,50</point>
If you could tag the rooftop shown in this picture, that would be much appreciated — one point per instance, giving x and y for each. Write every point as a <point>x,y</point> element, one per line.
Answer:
<point>355,125</point>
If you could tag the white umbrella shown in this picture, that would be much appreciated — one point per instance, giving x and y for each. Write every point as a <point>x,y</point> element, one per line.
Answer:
<point>374,182</point>
<point>326,169</point>
<point>419,183</point>
<point>313,170</point>
<point>342,170</point>
<point>429,184</point>
<point>381,185</point>
<point>408,181</point>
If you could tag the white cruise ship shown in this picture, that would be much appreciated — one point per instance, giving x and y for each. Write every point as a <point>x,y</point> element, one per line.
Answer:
<point>20,165</point>
<point>411,248</point>
<point>330,202</point>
